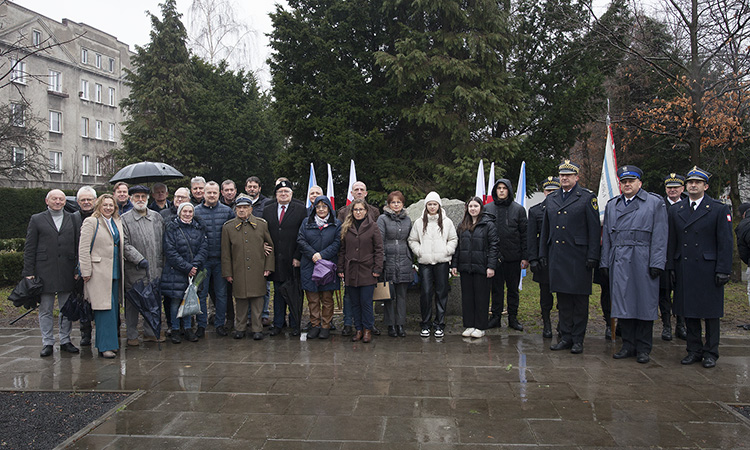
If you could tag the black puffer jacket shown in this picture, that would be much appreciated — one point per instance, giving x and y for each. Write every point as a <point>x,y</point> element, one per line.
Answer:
<point>511,224</point>
<point>477,250</point>
<point>398,258</point>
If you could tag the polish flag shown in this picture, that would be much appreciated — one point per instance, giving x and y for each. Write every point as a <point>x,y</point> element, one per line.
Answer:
<point>352,180</point>
<point>329,189</point>
<point>490,184</point>
<point>479,189</point>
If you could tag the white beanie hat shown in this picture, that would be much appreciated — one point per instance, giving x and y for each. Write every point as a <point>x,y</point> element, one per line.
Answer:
<point>433,197</point>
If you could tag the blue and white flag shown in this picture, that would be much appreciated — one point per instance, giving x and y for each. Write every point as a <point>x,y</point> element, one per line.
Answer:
<point>310,184</point>
<point>521,200</point>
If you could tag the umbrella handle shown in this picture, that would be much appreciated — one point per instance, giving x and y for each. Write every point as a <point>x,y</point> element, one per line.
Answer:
<point>22,316</point>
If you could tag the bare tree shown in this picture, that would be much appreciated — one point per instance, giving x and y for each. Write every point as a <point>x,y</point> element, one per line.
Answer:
<point>216,33</point>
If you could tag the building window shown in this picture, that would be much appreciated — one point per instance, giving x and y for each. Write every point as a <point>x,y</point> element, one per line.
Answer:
<point>98,92</point>
<point>84,89</point>
<point>55,161</point>
<point>84,56</point>
<point>111,96</point>
<point>18,71</point>
<point>55,121</point>
<point>19,157</point>
<point>55,81</point>
<point>85,165</point>
<point>17,115</point>
<point>98,168</point>
<point>98,129</point>
<point>112,65</point>
<point>85,126</point>
<point>111,132</point>
<point>36,38</point>
<point>98,61</point>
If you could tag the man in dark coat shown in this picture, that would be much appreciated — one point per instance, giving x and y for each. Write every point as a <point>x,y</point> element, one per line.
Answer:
<point>511,223</point>
<point>541,275</point>
<point>700,254</point>
<point>284,217</point>
<point>634,253</point>
<point>569,245</point>
<point>51,253</point>
<point>674,186</point>
<point>743,243</point>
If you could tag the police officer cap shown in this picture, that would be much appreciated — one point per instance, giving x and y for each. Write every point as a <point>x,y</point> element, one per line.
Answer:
<point>697,173</point>
<point>138,188</point>
<point>674,180</point>
<point>568,167</point>
<point>243,199</point>
<point>551,183</point>
<point>629,173</point>
<point>283,184</point>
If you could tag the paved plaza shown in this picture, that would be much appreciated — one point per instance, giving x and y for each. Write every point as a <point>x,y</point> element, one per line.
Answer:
<point>506,390</point>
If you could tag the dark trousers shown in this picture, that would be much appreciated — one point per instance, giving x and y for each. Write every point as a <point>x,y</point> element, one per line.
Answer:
<point>506,277</point>
<point>574,316</point>
<point>475,299</point>
<point>695,343</point>
<point>280,303</point>
<point>606,302</point>
<point>637,335</point>
<point>546,300</point>
<point>362,312</point>
<point>394,312</point>
<point>434,279</point>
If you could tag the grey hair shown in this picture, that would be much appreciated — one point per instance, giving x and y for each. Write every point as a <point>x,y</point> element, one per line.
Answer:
<point>185,191</point>
<point>53,190</point>
<point>84,189</point>
<point>213,183</point>
<point>197,180</point>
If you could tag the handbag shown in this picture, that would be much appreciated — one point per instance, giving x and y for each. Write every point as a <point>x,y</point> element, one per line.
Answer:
<point>382,291</point>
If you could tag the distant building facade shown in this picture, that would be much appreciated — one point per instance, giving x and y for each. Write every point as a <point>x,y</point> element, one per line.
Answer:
<point>75,87</point>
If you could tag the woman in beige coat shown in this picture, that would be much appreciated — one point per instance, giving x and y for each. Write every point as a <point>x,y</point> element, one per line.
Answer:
<point>100,259</point>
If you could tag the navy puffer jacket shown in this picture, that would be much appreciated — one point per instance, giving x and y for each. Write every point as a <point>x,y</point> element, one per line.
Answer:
<point>185,247</point>
<point>213,218</point>
<point>326,241</point>
<point>477,251</point>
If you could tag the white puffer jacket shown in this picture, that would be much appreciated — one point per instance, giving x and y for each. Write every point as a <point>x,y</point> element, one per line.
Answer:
<point>431,246</point>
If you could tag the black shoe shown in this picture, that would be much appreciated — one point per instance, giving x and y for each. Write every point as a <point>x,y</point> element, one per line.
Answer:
<point>375,330</point>
<point>623,354</point>
<point>275,331</point>
<point>643,358</point>
<point>294,332</point>
<point>400,330</point>
<point>514,323</point>
<point>666,334</point>
<point>691,358</point>
<point>175,338</point>
<point>494,322</point>
<point>221,330</point>
<point>200,333</point>
<point>392,331</point>
<point>577,348</point>
<point>238,334</point>
<point>562,345</point>
<point>347,331</point>
<point>547,331</point>
<point>608,332</point>
<point>709,362</point>
<point>681,332</point>
<point>324,333</point>
<point>313,333</point>
<point>308,327</point>
<point>190,336</point>
<point>85,339</point>
<point>69,347</point>
<point>46,351</point>
<point>258,336</point>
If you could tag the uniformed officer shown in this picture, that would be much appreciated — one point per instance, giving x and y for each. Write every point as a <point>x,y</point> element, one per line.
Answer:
<point>541,275</point>
<point>700,255</point>
<point>674,185</point>
<point>634,253</point>
<point>569,245</point>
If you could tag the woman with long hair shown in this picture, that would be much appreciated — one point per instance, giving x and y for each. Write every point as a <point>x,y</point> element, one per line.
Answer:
<point>101,263</point>
<point>360,264</point>
<point>476,260</point>
<point>394,226</point>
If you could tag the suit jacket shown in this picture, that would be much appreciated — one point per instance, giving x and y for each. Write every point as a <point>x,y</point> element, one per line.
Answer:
<point>50,254</point>
<point>284,236</point>
<point>98,261</point>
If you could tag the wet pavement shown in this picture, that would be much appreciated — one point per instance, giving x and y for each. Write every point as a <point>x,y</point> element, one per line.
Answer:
<point>505,390</point>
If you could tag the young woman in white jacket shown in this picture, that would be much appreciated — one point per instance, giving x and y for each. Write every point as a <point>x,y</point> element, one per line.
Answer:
<point>433,240</point>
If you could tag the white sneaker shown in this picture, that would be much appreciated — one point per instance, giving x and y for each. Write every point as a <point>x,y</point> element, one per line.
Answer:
<point>467,332</point>
<point>477,333</point>
<point>439,333</point>
<point>425,332</point>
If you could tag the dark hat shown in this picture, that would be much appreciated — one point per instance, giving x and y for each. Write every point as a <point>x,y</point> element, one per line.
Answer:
<point>138,188</point>
<point>551,183</point>
<point>568,167</point>
<point>283,184</point>
<point>629,172</point>
<point>243,199</point>
<point>743,208</point>
<point>674,180</point>
<point>697,173</point>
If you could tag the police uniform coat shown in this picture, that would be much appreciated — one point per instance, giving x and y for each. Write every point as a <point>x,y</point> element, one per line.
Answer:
<point>700,246</point>
<point>634,239</point>
<point>570,236</point>
<point>243,257</point>
<point>534,228</point>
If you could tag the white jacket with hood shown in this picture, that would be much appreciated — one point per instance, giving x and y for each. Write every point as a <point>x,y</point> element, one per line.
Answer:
<point>431,246</point>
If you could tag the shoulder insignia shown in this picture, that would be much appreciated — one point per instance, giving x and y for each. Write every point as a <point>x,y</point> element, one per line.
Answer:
<point>729,218</point>
<point>586,190</point>
<point>260,219</point>
<point>594,204</point>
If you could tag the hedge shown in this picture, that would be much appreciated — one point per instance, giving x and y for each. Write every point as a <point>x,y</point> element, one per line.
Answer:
<point>18,205</point>
<point>11,265</point>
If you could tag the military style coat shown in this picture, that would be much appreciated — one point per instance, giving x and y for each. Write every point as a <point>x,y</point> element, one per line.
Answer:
<point>534,229</point>
<point>570,236</point>
<point>700,246</point>
<point>243,258</point>
<point>634,239</point>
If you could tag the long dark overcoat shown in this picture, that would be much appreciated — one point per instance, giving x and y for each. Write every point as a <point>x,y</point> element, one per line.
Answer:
<point>634,238</point>
<point>52,254</point>
<point>534,229</point>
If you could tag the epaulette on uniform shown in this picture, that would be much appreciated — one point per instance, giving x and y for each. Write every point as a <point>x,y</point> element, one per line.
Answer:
<point>587,190</point>
<point>260,219</point>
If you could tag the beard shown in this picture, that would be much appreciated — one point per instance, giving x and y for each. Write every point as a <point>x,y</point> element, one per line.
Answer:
<point>140,206</point>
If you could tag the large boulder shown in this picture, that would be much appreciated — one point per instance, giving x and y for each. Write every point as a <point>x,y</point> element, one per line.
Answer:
<point>454,209</point>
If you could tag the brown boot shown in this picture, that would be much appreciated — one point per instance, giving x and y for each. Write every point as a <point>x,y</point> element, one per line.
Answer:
<point>367,337</point>
<point>357,336</point>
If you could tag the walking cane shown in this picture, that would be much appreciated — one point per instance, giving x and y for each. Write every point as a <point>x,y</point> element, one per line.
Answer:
<point>22,316</point>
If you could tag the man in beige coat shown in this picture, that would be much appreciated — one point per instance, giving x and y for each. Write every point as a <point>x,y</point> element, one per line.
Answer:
<point>244,263</point>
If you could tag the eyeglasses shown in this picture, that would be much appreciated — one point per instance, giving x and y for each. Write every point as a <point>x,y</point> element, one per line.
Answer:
<point>321,206</point>
<point>356,210</point>
<point>85,200</point>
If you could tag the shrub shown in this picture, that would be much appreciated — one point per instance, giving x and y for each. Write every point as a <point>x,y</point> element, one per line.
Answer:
<point>12,245</point>
<point>11,266</point>
<point>18,205</point>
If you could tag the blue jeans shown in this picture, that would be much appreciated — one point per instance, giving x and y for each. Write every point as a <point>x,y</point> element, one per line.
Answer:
<point>213,266</point>
<point>361,303</point>
<point>279,308</point>
<point>266,302</point>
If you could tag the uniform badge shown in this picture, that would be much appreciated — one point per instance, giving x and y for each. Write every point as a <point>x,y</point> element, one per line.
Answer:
<point>594,204</point>
<point>729,217</point>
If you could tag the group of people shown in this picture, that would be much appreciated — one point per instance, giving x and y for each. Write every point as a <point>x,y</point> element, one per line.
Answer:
<point>647,246</point>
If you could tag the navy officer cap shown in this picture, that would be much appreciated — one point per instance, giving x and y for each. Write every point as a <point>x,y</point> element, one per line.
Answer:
<point>138,188</point>
<point>551,183</point>
<point>567,168</point>
<point>674,180</point>
<point>697,173</point>
<point>629,173</point>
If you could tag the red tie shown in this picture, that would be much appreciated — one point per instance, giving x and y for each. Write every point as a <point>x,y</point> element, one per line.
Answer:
<point>281,216</point>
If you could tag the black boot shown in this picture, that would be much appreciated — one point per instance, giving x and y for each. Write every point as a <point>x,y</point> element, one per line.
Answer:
<point>680,330</point>
<point>608,332</point>
<point>547,331</point>
<point>666,332</point>
<point>514,323</point>
<point>85,334</point>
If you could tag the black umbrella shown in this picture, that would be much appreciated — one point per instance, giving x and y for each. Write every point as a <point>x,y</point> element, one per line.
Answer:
<point>76,308</point>
<point>146,172</point>
<point>27,293</point>
<point>145,296</point>
<point>292,291</point>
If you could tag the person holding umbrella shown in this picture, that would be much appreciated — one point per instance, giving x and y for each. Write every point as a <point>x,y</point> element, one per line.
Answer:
<point>100,258</point>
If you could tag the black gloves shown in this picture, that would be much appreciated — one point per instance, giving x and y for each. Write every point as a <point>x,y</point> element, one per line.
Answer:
<point>721,279</point>
<point>604,271</point>
<point>654,272</point>
<point>543,262</point>
<point>534,266</point>
<point>143,264</point>
<point>592,264</point>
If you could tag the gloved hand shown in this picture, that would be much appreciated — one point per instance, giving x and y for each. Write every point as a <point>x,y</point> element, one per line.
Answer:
<point>654,272</point>
<point>604,271</point>
<point>592,264</point>
<point>721,279</point>
<point>543,262</point>
<point>534,266</point>
<point>143,264</point>
<point>672,277</point>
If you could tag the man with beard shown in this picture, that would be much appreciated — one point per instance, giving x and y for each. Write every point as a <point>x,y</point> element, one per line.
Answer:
<point>86,198</point>
<point>143,231</point>
<point>122,198</point>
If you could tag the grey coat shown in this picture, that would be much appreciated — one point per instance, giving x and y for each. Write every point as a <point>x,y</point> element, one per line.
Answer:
<point>394,228</point>
<point>143,237</point>
<point>634,239</point>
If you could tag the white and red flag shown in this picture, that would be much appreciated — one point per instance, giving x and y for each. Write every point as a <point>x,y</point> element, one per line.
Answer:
<point>329,188</point>
<point>352,180</point>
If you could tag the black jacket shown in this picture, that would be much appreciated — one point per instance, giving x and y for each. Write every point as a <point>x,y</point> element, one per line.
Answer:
<point>536,215</point>
<point>477,250</point>
<point>743,239</point>
<point>511,224</point>
<point>284,236</point>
